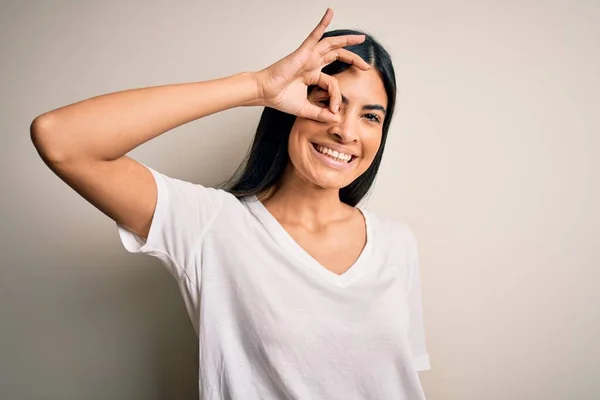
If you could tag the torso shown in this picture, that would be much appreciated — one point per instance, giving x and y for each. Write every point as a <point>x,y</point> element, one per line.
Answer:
<point>274,323</point>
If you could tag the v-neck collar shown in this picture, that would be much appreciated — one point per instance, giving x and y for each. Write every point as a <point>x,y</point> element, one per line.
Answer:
<point>283,238</point>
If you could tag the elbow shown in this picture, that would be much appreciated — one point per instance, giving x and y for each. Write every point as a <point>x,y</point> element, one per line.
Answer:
<point>43,137</point>
<point>40,124</point>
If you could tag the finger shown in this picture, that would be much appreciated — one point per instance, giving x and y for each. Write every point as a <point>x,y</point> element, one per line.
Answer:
<point>332,86</point>
<point>313,39</point>
<point>336,42</point>
<point>346,56</point>
<point>318,113</point>
<point>324,114</point>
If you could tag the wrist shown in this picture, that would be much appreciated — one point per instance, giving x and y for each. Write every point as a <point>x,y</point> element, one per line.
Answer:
<point>255,83</point>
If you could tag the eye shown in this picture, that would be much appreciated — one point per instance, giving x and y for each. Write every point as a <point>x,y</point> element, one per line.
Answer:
<point>373,117</point>
<point>325,102</point>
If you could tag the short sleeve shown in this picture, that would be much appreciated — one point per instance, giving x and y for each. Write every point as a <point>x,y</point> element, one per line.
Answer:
<point>416,332</point>
<point>184,212</point>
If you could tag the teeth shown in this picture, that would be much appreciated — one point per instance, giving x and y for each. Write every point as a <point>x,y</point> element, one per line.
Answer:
<point>334,154</point>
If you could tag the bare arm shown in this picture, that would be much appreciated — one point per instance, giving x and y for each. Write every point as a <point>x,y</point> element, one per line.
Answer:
<point>85,143</point>
<point>107,127</point>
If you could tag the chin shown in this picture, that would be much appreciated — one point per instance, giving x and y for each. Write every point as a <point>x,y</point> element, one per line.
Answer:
<point>329,179</point>
<point>330,185</point>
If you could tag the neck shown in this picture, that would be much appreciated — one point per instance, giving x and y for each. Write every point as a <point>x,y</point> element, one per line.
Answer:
<point>297,201</point>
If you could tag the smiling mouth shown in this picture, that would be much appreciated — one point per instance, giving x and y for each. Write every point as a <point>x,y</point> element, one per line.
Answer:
<point>334,155</point>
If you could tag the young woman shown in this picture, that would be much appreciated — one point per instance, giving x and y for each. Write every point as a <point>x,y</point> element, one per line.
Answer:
<point>294,291</point>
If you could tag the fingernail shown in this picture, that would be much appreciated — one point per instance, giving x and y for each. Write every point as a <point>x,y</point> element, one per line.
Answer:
<point>336,108</point>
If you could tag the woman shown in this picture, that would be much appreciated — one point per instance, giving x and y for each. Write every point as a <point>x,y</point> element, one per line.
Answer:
<point>294,291</point>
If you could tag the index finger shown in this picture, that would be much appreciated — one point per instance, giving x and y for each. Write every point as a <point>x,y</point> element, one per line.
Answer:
<point>336,42</point>
<point>345,56</point>
<point>319,30</point>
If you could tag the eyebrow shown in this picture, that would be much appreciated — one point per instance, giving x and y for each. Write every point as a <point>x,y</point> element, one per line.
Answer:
<point>365,107</point>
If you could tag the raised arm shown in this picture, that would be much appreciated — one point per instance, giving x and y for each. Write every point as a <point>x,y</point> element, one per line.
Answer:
<point>86,143</point>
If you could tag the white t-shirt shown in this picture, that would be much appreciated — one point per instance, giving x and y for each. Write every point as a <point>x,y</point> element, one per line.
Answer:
<point>272,322</point>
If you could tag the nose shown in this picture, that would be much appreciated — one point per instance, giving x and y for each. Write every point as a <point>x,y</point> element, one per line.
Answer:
<point>345,130</point>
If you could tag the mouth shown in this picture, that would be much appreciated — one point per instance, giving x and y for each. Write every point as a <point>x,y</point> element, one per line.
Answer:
<point>333,158</point>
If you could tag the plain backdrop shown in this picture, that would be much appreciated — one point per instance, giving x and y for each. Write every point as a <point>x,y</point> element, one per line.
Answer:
<point>492,159</point>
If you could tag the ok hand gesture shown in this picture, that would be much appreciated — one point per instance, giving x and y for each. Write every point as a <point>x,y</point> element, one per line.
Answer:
<point>284,85</point>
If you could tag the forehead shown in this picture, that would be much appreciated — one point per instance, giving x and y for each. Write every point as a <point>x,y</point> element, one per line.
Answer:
<point>363,87</point>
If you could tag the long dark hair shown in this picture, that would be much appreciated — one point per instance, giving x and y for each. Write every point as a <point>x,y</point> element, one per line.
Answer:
<point>267,157</point>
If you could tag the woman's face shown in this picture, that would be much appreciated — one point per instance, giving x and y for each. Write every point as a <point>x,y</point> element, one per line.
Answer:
<point>332,155</point>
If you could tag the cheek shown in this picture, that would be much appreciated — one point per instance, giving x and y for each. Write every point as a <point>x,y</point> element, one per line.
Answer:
<point>299,136</point>
<point>294,149</point>
<point>297,149</point>
<point>371,145</point>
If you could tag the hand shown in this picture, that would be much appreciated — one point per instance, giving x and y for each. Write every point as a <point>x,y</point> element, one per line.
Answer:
<point>284,85</point>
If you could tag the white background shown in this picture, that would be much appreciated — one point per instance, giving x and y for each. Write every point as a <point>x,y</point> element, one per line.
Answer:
<point>492,159</point>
